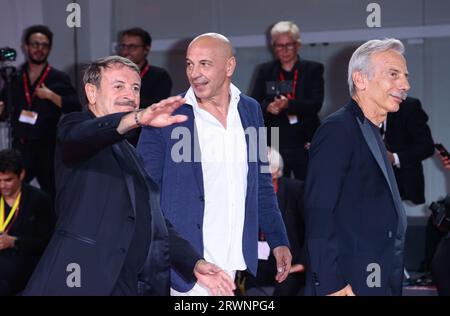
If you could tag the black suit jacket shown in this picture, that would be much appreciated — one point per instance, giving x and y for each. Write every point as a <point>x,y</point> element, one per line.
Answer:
<point>408,135</point>
<point>355,223</point>
<point>32,228</point>
<point>98,176</point>
<point>309,94</point>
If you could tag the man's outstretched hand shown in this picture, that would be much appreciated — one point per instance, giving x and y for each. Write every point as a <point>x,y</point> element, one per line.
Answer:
<point>214,278</point>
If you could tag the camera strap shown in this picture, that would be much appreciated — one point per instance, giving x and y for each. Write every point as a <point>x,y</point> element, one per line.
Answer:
<point>28,96</point>
<point>291,95</point>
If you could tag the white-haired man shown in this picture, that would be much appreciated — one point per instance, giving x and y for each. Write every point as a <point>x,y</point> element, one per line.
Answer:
<point>355,221</point>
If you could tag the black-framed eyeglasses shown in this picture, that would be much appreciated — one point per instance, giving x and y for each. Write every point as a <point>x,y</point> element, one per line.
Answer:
<point>287,46</point>
<point>39,44</point>
<point>131,47</point>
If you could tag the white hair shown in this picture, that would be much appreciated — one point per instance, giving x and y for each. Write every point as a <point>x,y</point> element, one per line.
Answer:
<point>276,163</point>
<point>361,58</point>
<point>283,27</point>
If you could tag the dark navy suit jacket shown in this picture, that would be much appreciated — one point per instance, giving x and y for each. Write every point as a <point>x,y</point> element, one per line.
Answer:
<point>182,191</point>
<point>354,219</point>
<point>97,192</point>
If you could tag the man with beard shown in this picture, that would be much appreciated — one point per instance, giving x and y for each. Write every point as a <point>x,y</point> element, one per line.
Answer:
<point>41,94</point>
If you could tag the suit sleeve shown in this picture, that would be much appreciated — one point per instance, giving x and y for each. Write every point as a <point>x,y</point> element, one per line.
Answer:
<point>312,104</point>
<point>270,219</point>
<point>330,157</point>
<point>422,145</point>
<point>183,256</point>
<point>81,138</point>
<point>259,89</point>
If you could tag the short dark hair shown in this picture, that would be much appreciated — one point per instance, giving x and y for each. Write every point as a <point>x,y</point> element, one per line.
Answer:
<point>93,71</point>
<point>11,161</point>
<point>137,31</point>
<point>38,29</point>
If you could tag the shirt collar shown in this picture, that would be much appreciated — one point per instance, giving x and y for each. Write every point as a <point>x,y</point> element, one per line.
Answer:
<point>234,100</point>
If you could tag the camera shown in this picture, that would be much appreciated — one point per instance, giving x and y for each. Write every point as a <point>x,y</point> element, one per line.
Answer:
<point>7,54</point>
<point>440,213</point>
<point>277,88</point>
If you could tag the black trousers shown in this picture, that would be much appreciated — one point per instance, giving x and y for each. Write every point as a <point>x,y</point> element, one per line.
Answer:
<point>295,161</point>
<point>39,159</point>
<point>440,267</point>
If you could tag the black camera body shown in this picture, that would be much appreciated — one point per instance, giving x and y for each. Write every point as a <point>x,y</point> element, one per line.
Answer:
<point>440,213</point>
<point>7,54</point>
<point>277,88</point>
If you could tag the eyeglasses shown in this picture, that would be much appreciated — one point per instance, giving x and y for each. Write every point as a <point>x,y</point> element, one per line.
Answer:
<point>132,47</point>
<point>37,44</point>
<point>287,46</point>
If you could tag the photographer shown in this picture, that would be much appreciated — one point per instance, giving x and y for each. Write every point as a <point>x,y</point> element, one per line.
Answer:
<point>291,91</point>
<point>40,94</point>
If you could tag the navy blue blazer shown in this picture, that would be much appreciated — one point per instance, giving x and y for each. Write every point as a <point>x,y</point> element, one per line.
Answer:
<point>182,191</point>
<point>97,200</point>
<point>354,219</point>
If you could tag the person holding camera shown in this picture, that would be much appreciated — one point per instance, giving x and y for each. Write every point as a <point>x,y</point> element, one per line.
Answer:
<point>290,91</point>
<point>40,95</point>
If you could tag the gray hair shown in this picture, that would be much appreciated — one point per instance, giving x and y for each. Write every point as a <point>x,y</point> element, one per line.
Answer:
<point>93,72</point>
<point>361,58</point>
<point>275,162</point>
<point>283,27</point>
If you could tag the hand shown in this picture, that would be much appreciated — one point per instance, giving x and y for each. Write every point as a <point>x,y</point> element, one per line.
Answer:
<point>214,278</point>
<point>445,160</point>
<point>390,157</point>
<point>273,108</point>
<point>283,257</point>
<point>7,241</point>
<point>43,92</point>
<point>283,102</point>
<point>297,268</point>
<point>346,291</point>
<point>160,114</point>
<point>307,145</point>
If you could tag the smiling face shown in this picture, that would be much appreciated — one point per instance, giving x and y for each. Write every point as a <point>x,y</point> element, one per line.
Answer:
<point>209,67</point>
<point>386,85</point>
<point>118,91</point>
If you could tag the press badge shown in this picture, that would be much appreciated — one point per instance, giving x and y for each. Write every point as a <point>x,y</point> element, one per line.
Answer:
<point>293,119</point>
<point>28,117</point>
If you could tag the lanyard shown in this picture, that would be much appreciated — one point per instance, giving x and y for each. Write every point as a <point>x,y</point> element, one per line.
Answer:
<point>15,210</point>
<point>28,96</point>
<point>144,71</point>
<point>291,95</point>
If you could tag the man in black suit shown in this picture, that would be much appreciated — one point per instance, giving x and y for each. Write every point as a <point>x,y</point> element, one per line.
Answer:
<point>408,141</point>
<point>111,237</point>
<point>355,223</point>
<point>26,224</point>
<point>295,100</point>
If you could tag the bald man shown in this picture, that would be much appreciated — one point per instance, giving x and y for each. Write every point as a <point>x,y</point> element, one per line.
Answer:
<point>218,201</point>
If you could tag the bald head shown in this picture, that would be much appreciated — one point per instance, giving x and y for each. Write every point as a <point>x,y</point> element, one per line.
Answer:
<point>214,41</point>
<point>209,66</point>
